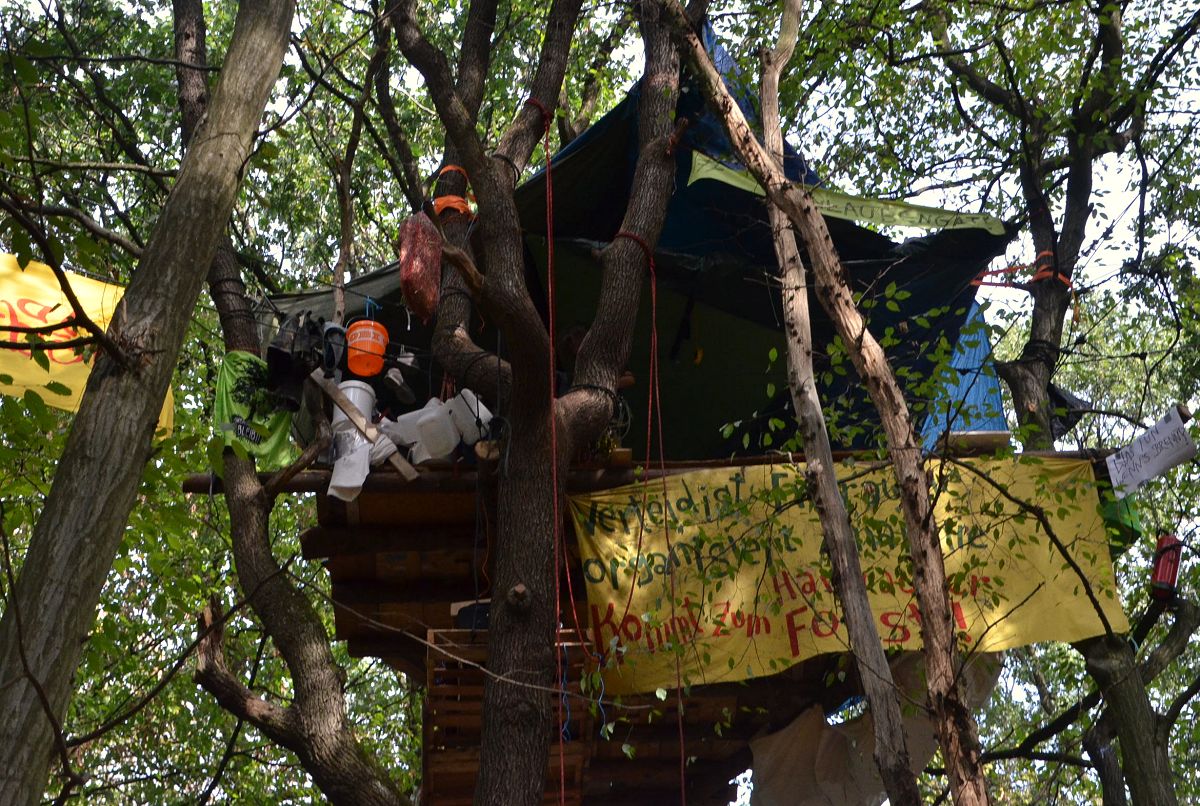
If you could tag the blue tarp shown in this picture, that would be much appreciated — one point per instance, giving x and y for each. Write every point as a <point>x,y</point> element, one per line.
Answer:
<point>970,399</point>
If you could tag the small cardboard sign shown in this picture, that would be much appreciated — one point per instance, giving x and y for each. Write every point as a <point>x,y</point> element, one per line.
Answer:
<point>1165,445</point>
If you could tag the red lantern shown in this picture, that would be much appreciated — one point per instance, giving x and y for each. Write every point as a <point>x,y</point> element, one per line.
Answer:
<point>1166,567</point>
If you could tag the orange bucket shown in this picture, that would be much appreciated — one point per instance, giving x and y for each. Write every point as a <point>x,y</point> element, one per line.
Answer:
<point>366,342</point>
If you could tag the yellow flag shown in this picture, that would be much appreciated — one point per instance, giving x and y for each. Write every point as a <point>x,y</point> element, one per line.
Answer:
<point>32,298</point>
<point>719,575</point>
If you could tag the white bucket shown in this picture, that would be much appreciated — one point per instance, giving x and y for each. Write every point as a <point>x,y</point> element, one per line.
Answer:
<point>362,396</point>
<point>470,416</point>
<point>438,435</point>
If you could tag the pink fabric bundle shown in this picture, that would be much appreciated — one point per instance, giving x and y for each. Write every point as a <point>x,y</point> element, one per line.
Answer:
<point>419,248</point>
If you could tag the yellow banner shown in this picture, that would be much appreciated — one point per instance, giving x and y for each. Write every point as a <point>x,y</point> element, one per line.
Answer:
<point>719,575</point>
<point>883,212</point>
<point>32,298</point>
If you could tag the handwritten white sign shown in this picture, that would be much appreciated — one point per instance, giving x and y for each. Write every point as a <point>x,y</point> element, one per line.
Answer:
<point>1165,445</point>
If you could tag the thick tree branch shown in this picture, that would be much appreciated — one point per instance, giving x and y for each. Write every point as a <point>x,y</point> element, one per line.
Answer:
<point>433,65</point>
<point>954,61</point>
<point>516,144</point>
<point>570,127</point>
<point>212,672</point>
<point>605,348</point>
<point>105,167</point>
<point>403,163</point>
<point>88,223</point>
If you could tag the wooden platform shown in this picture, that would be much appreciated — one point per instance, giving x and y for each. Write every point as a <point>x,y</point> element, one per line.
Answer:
<point>401,556</point>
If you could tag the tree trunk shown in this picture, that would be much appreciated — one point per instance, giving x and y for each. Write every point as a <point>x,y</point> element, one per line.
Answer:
<point>1147,768</point>
<point>956,728</point>
<point>76,538</point>
<point>315,725</point>
<point>1097,742</point>
<point>891,750</point>
<point>518,715</point>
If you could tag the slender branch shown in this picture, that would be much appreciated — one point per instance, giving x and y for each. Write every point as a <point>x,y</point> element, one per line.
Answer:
<point>123,59</point>
<point>80,315</point>
<point>90,224</point>
<point>1169,719</point>
<point>59,165</point>
<point>39,346</point>
<point>274,485</point>
<point>64,324</point>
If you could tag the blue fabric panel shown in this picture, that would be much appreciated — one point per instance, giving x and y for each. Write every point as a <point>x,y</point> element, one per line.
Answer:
<point>970,400</point>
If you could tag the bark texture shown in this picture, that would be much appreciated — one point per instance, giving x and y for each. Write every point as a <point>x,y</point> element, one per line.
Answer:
<point>891,748</point>
<point>86,511</point>
<point>957,732</point>
<point>1145,761</point>
<point>521,650</point>
<point>314,726</point>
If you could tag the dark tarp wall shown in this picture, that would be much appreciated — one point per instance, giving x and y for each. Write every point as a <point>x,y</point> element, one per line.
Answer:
<point>719,300</point>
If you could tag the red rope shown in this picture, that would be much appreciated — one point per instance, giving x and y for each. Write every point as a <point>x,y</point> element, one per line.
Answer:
<point>547,119</point>
<point>1043,266</point>
<point>653,416</point>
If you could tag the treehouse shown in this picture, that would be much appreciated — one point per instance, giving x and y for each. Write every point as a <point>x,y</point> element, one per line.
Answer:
<point>699,580</point>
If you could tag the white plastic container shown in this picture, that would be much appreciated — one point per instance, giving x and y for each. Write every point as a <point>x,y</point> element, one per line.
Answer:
<point>438,435</point>
<point>470,416</point>
<point>404,431</point>
<point>362,396</point>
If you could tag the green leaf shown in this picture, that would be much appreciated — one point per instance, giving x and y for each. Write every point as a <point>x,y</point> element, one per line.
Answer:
<point>57,388</point>
<point>41,358</point>
<point>25,70</point>
<point>38,411</point>
<point>216,455</point>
